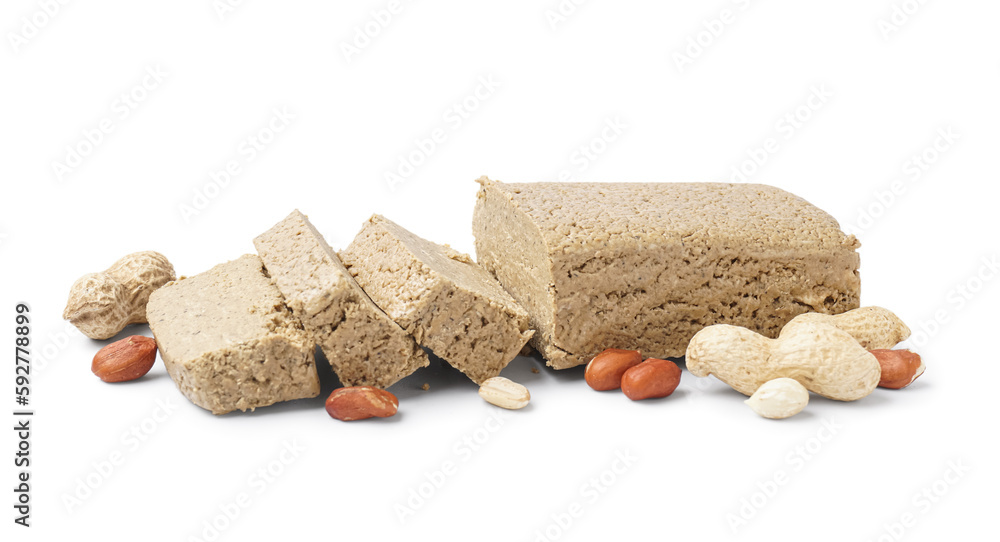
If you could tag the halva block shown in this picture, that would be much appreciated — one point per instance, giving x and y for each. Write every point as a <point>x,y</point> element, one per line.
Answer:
<point>646,265</point>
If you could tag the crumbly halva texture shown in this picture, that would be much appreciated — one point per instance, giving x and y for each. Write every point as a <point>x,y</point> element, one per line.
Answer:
<point>229,341</point>
<point>647,265</point>
<point>364,346</point>
<point>440,296</point>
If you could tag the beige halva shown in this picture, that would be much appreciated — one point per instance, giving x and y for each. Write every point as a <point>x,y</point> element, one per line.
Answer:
<point>573,267</point>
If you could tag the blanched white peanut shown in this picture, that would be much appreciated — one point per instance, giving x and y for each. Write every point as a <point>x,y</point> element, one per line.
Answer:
<point>779,398</point>
<point>504,393</point>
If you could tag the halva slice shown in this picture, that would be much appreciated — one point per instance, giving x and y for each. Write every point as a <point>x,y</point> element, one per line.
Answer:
<point>228,340</point>
<point>644,266</point>
<point>440,296</point>
<point>364,346</point>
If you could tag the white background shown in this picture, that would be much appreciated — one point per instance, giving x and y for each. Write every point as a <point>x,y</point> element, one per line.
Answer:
<point>884,94</point>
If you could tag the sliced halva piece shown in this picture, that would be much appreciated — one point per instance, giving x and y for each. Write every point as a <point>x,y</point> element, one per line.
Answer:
<point>443,298</point>
<point>229,341</point>
<point>364,346</point>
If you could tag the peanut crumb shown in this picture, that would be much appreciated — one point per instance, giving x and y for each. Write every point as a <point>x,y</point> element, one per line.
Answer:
<point>425,387</point>
<point>534,370</point>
